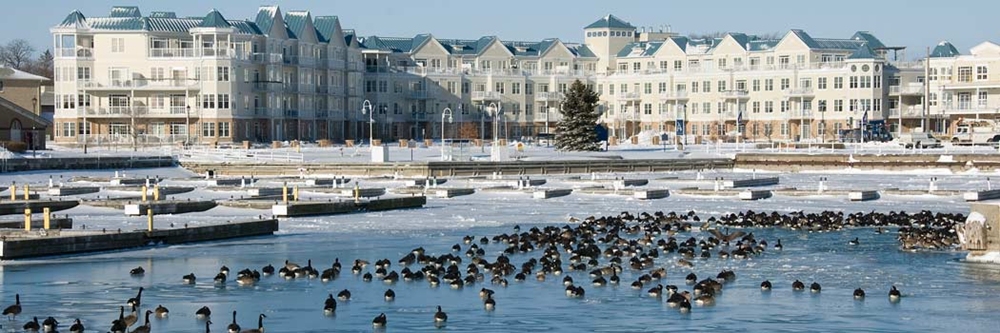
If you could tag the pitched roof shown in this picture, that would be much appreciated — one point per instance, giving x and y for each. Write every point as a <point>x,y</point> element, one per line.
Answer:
<point>326,26</point>
<point>75,20</point>
<point>863,52</point>
<point>163,15</point>
<point>214,19</point>
<point>125,11</point>
<point>582,51</point>
<point>944,49</point>
<point>8,105</point>
<point>639,49</point>
<point>868,38</point>
<point>8,73</point>
<point>265,18</point>
<point>610,21</point>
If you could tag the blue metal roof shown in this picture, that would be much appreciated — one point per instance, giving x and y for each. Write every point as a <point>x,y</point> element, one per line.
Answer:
<point>945,50</point>
<point>214,19</point>
<point>162,15</point>
<point>639,49</point>
<point>610,21</point>
<point>326,26</point>
<point>171,25</point>
<point>863,52</point>
<point>873,42</point>
<point>265,18</point>
<point>125,11</point>
<point>805,38</point>
<point>298,22</point>
<point>75,19</point>
<point>583,51</point>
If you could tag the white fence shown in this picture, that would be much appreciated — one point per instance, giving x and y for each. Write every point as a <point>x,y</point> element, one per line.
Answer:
<point>236,155</point>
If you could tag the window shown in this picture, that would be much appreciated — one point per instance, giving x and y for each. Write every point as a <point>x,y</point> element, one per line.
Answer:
<point>784,129</point>
<point>838,105</point>
<point>785,83</point>
<point>706,107</point>
<point>756,107</point>
<point>208,129</point>
<point>722,63</point>
<point>783,62</point>
<point>854,82</point>
<point>756,85</point>
<point>982,98</point>
<point>636,67</point>
<point>648,88</point>
<point>515,88</point>
<point>83,74</point>
<point>499,87</point>
<point>878,81</point>
<point>821,105</point>
<point>68,129</point>
<point>821,83</point>
<point>981,73</point>
<point>208,101</point>
<point>866,82</point>
<point>664,66</point>
<point>852,105</point>
<point>157,102</point>
<point>117,45</point>
<point>706,86</point>
<point>81,128</point>
<point>838,83</point>
<point>223,74</point>
<point>529,88</point>
<point>223,101</point>
<point>678,65</point>
<point>965,74</point>
<point>722,86</point>
<point>694,87</point>
<point>769,85</point>
<point>647,109</point>
<point>663,87</point>
<point>768,107</point>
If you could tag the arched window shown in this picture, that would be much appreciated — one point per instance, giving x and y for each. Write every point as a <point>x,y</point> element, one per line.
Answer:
<point>15,131</point>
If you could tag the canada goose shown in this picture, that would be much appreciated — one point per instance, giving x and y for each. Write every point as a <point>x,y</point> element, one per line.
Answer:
<point>379,321</point>
<point>208,326</point>
<point>220,278</point>
<point>655,291</point>
<point>440,316</point>
<point>145,328</point>
<point>330,306</point>
<point>685,306</point>
<point>290,266</point>
<point>390,295</point>
<point>260,325</point>
<point>267,270</point>
<point>859,294</point>
<point>798,285</point>
<point>49,324</point>
<point>138,271</point>
<point>854,242</point>
<point>32,326</point>
<point>203,313</point>
<point>483,293</point>
<point>246,280</point>
<point>118,325</point>
<point>766,285</point>
<point>131,318</point>
<point>189,279</point>
<point>705,300</point>
<point>15,309</point>
<point>161,311</point>
<point>777,246</point>
<point>894,294</point>
<point>568,281</point>
<point>815,287</point>
<point>224,270</point>
<point>489,303</point>
<point>344,295</point>
<point>233,327</point>
<point>77,327</point>
<point>135,301</point>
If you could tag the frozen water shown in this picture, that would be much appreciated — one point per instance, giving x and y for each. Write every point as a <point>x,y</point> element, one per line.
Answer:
<point>942,293</point>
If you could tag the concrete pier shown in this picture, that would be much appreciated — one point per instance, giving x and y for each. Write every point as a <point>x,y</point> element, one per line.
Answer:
<point>258,192</point>
<point>327,181</point>
<point>310,208</point>
<point>551,193</point>
<point>230,182</point>
<point>76,190</point>
<point>18,206</point>
<point>622,183</point>
<point>981,195</point>
<point>134,181</point>
<point>755,194</point>
<point>862,195</point>
<point>168,207</point>
<point>426,182</point>
<point>651,194</point>
<point>28,245</point>
<point>54,223</point>
<point>750,182</point>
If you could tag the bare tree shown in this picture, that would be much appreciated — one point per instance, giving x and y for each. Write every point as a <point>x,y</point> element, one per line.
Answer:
<point>17,54</point>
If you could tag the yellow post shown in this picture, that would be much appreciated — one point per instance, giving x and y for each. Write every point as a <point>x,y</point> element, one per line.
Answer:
<point>284,193</point>
<point>144,189</point>
<point>156,192</point>
<point>26,196</point>
<point>357,193</point>
<point>27,219</point>
<point>47,220</point>
<point>295,193</point>
<point>149,219</point>
<point>13,192</point>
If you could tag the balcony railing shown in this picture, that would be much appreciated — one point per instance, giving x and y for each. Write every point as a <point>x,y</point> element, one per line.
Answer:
<point>739,94</point>
<point>143,84</point>
<point>322,114</point>
<point>172,53</point>
<point>549,96</point>
<point>418,94</point>
<point>906,90</point>
<point>291,113</point>
<point>79,52</point>
<point>485,96</point>
<point>266,58</point>
<point>633,96</point>
<point>674,95</point>
<point>798,92</point>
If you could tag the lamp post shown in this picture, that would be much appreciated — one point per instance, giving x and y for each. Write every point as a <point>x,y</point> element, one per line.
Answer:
<point>187,125</point>
<point>366,108</point>
<point>494,110</point>
<point>445,114</point>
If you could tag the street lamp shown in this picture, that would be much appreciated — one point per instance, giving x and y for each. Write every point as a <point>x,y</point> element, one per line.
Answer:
<point>494,110</point>
<point>187,125</point>
<point>366,108</point>
<point>444,114</point>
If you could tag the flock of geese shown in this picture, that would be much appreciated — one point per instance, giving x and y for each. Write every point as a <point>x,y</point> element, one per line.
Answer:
<point>605,248</point>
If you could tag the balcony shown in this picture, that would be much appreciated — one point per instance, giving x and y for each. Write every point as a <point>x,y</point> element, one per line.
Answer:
<point>322,114</point>
<point>419,95</point>
<point>549,97</point>
<point>290,113</point>
<point>78,53</point>
<point>679,95</point>
<point>798,92</point>
<point>909,112</point>
<point>800,114</point>
<point>141,84</point>
<point>290,60</point>
<point>172,53</point>
<point>322,89</point>
<point>307,61</point>
<point>266,58</point>
<point>625,97</point>
<point>290,88</point>
<point>736,94</point>
<point>334,64</point>
<point>907,90</point>
<point>485,96</point>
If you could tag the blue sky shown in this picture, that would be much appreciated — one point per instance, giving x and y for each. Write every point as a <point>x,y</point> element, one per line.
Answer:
<point>915,24</point>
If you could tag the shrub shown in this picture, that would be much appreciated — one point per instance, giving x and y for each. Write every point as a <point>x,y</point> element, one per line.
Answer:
<point>15,146</point>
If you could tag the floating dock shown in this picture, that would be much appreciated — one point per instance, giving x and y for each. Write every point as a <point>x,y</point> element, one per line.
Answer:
<point>54,223</point>
<point>316,208</point>
<point>981,195</point>
<point>750,182</point>
<point>168,207</point>
<point>551,193</point>
<point>30,244</point>
<point>863,195</point>
<point>76,190</point>
<point>336,182</point>
<point>650,194</point>
<point>18,206</point>
<point>755,194</point>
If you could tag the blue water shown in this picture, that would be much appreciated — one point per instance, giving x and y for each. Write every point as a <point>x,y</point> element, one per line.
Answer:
<point>942,293</point>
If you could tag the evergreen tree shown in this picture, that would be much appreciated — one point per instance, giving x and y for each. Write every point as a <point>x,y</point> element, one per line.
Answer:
<point>575,131</point>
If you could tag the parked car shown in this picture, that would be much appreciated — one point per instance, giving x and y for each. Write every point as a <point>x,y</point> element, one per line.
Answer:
<point>918,140</point>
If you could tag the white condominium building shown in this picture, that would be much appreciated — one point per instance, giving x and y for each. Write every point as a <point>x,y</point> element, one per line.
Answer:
<point>286,76</point>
